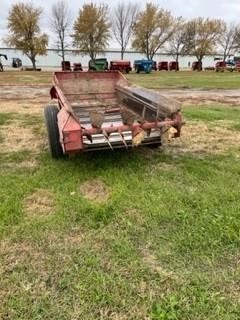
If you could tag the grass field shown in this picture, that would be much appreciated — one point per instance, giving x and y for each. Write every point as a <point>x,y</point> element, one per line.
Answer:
<point>155,80</point>
<point>123,235</point>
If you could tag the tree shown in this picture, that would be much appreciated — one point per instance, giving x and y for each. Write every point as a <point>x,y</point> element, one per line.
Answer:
<point>124,16</point>
<point>229,39</point>
<point>60,23</point>
<point>201,37</point>
<point>92,29</point>
<point>24,29</point>
<point>177,45</point>
<point>153,28</point>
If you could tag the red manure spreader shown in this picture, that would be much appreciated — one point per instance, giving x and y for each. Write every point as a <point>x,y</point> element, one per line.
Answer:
<point>100,110</point>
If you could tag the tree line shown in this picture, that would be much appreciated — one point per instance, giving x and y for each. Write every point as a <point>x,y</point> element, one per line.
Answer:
<point>148,30</point>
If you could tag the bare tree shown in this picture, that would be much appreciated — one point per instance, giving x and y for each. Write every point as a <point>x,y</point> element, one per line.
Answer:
<point>177,44</point>
<point>60,23</point>
<point>229,39</point>
<point>124,16</point>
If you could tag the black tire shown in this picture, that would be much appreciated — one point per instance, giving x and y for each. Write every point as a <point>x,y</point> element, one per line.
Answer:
<point>50,114</point>
<point>154,145</point>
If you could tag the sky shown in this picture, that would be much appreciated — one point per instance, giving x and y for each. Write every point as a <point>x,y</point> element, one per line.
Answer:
<point>229,10</point>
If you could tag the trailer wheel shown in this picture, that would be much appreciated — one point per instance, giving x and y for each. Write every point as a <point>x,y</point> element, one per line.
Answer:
<point>50,114</point>
<point>154,145</point>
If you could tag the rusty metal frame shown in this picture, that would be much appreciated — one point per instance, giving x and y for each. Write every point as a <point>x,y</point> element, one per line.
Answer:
<point>72,131</point>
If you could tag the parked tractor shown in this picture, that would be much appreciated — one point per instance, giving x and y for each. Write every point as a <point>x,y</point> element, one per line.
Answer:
<point>143,66</point>
<point>154,65</point>
<point>163,65</point>
<point>66,66</point>
<point>121,65</point>
<point>220,66</point>
<point>197,66</point>
<point>173,65</point>
<point>77,67</point>
<point>1,65</point>
<point>100,64</point>
<point>237,67</point>
<point>230,65</point>
<point>16,62</point>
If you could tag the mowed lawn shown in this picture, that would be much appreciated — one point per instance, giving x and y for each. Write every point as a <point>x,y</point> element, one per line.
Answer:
<point>130,234</point>
<point>154,80</point>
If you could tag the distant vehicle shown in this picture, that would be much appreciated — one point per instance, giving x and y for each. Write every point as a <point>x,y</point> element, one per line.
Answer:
<point>163,65</point>
<point>173,65</point>
<point>66,66</point>
<point>143,65</point>
<point>120,65</point>
<point>209,68</point>
<point>197,66</point>
<point>230,65</point>
<point>237,66</point>
<point>230,62</point>
<point>16,63</point>
<point>154,65</point>
<point>1,65</point>
<point>220,66</point>
<point>100,64</point>
<point>77,67</point>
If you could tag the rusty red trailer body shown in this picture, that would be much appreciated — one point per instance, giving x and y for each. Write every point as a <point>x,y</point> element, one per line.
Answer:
<point>80,94</point>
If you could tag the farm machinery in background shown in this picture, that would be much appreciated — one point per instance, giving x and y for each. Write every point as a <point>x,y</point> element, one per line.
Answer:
<point>99,64</point>
<point>143,66</point>
<point>66,66</point>
<point>1,65</point>
<point>16,63</point>
<point>231,64</point>
<point>120,65</point>
<point>100,110</point>
<point>168,66</point>
<point>124,66</point>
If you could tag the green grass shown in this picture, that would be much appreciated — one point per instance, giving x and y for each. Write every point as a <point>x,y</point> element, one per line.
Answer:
<point>26,78</point>
<point>215,115</point>
<point>164,246</point>
<point>186,79</point>
<point>6,117</point>
<point>154,80</point>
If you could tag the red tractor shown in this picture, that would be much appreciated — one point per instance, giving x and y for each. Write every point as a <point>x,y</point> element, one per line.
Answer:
<point>237,68</point>
<point>220,66</point>
<point>173,65</point>
<point>163,65</point>
<point>77,67</point>
<point>66,66</point>
<point>197,66</point>
<point>121,65</point>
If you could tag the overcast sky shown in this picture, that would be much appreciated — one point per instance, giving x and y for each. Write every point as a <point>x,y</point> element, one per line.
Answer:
<point>229,10</point>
